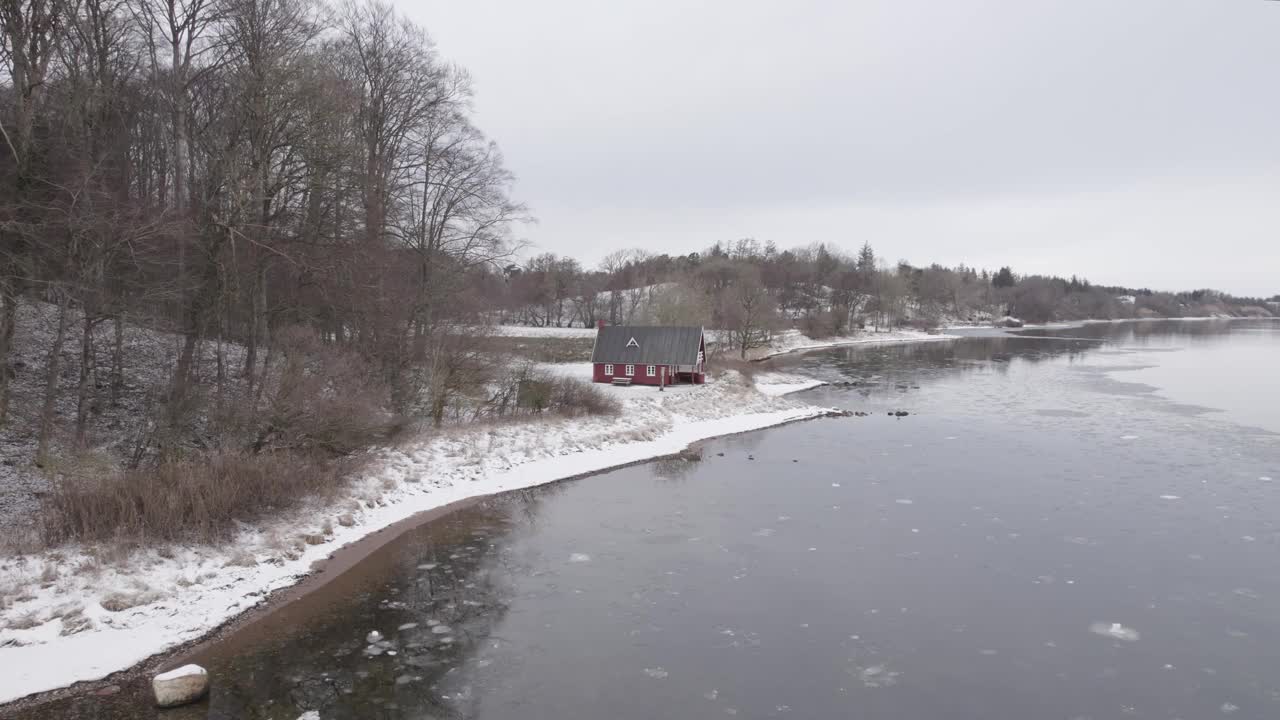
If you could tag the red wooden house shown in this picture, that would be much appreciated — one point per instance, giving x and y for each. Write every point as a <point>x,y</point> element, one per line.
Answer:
<point>649,355</point>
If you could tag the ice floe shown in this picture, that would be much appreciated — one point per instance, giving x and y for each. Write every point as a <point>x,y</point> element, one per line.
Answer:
<point>1114,630</point>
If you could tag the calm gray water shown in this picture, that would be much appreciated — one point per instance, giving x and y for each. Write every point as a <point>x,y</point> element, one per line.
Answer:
<point>1061,528</point>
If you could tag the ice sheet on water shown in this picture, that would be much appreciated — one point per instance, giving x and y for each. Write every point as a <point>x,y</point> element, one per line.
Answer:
<point>428,566</point>
<point>878,676</point>
<point>1114,630</point>
<point>656,672</point>
<point>763,532</point>
<point>1170,497</point>
<point>440,629</point>
<point>407,626</point>
<point>579,558</point>
<point>1228,708</point>
<point>711,694</point>
<point>1128,437</point>
<point>905,501</point>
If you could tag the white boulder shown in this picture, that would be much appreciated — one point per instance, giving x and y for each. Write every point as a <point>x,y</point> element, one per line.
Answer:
<point>186,684</point>
<point>310,715</point>
<point>373,636</point>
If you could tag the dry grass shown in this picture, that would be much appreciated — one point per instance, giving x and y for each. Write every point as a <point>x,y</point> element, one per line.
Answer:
<point>549,349</point>
<point>732,363</point>
<point>49,575</point>
<point>121,601</point>
<point>242,558</point>
<point>75,622</point>
<point>538,392</point>
<point>571,397</point>
<point>184,500</point>
<point>26,621</point>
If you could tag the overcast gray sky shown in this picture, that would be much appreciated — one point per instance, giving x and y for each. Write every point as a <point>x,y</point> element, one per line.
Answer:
<point>1129,141</point>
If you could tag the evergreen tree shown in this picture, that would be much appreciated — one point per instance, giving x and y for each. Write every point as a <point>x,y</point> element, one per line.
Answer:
<point>866,259</point>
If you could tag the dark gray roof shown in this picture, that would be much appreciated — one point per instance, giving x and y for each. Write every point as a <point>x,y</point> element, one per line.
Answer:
<point>654,345</point>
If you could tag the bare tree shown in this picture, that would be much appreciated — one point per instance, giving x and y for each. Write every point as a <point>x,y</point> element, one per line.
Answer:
<point>29,36</point>
<point>747,310</point>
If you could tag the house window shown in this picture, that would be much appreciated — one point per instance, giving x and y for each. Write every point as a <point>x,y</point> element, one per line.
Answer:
<point>652,370</point>
<point>631,370</point>
<point>608,369</point>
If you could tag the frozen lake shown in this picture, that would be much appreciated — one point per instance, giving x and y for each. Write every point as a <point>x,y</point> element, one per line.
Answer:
<point>1081,526</point>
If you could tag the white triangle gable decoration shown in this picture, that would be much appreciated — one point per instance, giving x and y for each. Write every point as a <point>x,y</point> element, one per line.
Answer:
<point>632,343</point>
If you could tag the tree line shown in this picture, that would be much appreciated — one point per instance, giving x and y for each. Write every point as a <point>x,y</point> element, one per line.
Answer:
<point>751,289</point>
<point>275,176</point>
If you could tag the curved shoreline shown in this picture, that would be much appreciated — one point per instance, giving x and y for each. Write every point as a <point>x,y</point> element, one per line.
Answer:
<point>323,570</point>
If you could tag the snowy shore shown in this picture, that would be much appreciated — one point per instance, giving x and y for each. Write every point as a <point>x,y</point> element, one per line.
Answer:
<point>70,616</point>
<point>791,341</point>
<point>1069,324</point>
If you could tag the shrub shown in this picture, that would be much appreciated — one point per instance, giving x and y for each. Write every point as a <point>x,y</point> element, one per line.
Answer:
<point>527,390</point>
<point>571,397</point>
<point>324,397</point>
<point>183,500</point>
<point>818,325</point>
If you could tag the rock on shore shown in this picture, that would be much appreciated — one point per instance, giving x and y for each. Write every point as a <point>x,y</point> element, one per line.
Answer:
<point>186,684</point>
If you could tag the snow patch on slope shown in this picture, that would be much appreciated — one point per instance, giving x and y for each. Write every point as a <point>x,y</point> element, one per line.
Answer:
<point>790,341</point>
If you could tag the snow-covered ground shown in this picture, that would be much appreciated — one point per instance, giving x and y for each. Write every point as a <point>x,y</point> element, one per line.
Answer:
<point>778,384</point>
<point>115,427</point>
<point>790,341</point>
<point>528,331</point>
<point>69,615</point>
<point>1067,324</point>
